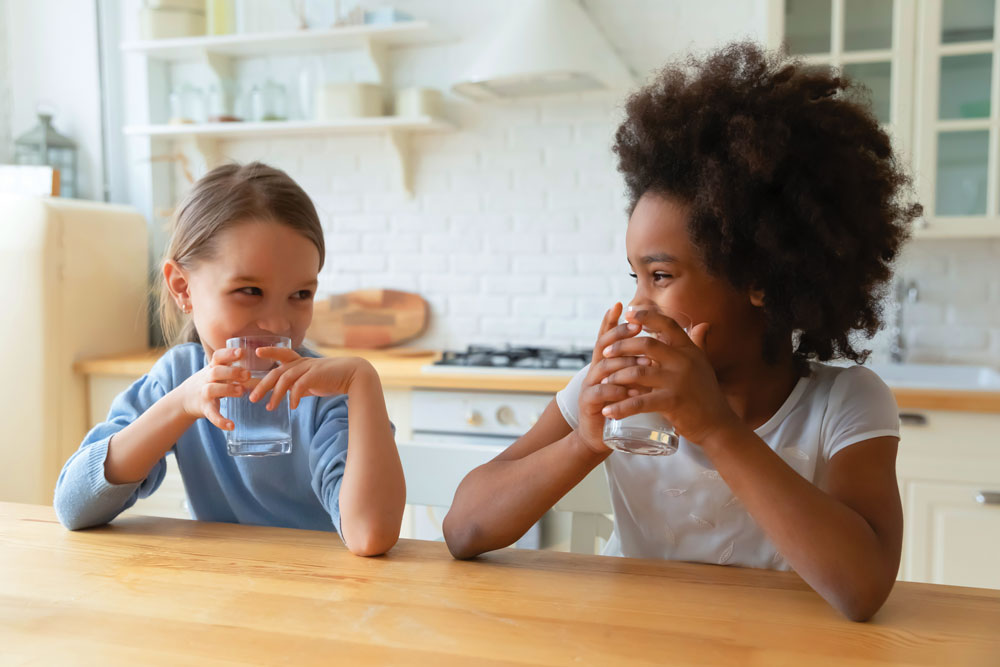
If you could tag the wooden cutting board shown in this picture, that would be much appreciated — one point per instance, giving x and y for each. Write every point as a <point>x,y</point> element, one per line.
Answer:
<point>368,319</point>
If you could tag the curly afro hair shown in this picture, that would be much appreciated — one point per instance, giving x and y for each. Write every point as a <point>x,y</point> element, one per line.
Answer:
<point>791,184</point>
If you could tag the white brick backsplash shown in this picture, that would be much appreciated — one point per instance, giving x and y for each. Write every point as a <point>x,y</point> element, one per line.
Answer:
<point>577,286</point>
<point>514,202</point>
<point>360,223</point>
<point>539,223</point>
<point>539,135</point>
<point>523,330</point>
<point>543,307</point>
<point>449,284</point>
<point>475,265</point>
<point>360,182</point>
<point>417,263</point>
<point>949,338</point>
<point>335,283</point>
<point>512,284</point>
<point>574,329</point>
<point>392,243</point>
<point>337,204</point>
<point>577,243</point>
<point>481,180</point>
<point>453,203</point>
<point>545,265</point>
<point>391,202</point>
<point>357,262</point>
<point>479,305</point>
<point>470,225</point>
<point>511,159</point>
<point>582,199</point>
<point>593,308</point>
<point>450,242</point>
<point>544,179</point>
<point>596,134</point>
<point>418,223</point>
<point>343,243</point>
<point>513,244</point>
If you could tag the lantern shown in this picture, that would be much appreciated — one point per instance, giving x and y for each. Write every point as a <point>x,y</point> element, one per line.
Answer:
<point>44,146</point>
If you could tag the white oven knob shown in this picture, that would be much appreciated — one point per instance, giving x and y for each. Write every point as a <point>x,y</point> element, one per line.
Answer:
<point>506,416</point>
<point>474,418</point>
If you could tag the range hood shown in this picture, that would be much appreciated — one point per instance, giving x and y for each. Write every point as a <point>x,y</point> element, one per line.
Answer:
<point>546,47</point>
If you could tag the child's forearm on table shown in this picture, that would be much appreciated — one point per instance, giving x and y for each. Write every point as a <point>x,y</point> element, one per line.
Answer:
<point>830,545</point>
<point>373,493</point>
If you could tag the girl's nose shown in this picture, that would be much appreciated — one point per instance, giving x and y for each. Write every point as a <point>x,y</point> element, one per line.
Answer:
<point>276,323</point>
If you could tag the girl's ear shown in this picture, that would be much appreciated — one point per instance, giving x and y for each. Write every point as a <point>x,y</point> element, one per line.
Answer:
<point>177,282</point>
<point>757,297</point>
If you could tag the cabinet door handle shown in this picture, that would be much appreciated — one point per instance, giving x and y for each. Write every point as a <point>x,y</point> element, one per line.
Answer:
<point>912,419</point>
<point>988,497</point>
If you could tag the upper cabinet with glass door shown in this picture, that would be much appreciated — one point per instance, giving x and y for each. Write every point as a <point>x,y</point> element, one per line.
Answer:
<point>931,67</point>
<point>958,124</point>
<point>870,40</point>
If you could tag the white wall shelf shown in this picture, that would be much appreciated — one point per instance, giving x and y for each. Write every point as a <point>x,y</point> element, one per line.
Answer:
<point>220,51</point>
<point>205,137</point>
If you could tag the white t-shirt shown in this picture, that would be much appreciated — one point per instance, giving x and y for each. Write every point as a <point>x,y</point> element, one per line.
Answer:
<point>678,507</point>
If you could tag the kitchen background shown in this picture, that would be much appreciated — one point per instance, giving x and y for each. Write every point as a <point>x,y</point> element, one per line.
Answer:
<point>515,230</point>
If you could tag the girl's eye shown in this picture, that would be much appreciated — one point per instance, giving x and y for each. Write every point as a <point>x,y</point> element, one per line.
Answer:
<point>250,291</point>
<point>303,294</point>
<point>661,276</point>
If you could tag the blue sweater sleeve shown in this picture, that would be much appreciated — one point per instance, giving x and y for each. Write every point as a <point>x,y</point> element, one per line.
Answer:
<point>83,496</point>
<point>328,455</point>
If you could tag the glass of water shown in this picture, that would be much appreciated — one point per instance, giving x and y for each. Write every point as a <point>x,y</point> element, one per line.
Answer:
<point>257,431</point>
<point>648,433</point>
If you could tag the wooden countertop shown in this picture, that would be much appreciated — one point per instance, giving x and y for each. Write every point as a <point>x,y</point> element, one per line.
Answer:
<point>401,368</point>
<point>167,591</point>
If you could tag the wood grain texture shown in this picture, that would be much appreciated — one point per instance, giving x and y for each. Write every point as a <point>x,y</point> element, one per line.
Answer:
<point>368,318</point>
<point>164,591</point>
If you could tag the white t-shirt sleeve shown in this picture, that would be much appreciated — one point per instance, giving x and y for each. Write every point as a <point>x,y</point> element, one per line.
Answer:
<point>568,399</point>
<point>861,407</point>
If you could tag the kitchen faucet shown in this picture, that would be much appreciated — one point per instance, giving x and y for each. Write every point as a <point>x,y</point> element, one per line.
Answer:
<point>905,291</point>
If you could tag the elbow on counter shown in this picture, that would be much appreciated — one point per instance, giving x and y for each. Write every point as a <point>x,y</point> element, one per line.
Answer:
<point>461,537</point>
<point>371,542</point>
<point>860,606</point>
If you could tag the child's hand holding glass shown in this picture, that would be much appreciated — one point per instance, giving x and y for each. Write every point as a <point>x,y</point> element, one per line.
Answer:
<point>595,395</point>
<point>219,379</point>
<point>674,377</point>
<point>300,376</point>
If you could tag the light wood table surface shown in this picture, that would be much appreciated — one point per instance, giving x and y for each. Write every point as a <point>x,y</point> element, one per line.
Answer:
<point>164,591</point>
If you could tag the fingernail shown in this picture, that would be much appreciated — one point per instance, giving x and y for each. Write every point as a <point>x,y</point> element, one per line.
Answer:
<point>632,327</point>
<point>633,392</point>
<point>604,381</point>
<point>643,361</point>
<point>607,351</point>
<point>606,412</point>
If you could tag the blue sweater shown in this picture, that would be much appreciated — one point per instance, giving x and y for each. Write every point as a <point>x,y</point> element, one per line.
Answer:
<point>297,490</point>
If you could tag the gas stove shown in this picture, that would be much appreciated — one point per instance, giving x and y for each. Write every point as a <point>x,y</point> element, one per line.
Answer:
<point>516,359</point>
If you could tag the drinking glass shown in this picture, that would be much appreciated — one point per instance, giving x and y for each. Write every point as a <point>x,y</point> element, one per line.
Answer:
<point>648,433</point>
<point>257,431</point>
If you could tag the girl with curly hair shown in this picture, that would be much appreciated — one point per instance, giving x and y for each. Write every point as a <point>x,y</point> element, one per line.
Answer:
<point>766,207</point>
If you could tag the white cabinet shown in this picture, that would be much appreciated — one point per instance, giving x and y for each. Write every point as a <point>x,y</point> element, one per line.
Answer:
<point>932,69</point>
<point>953,538</point>
<point>949,469</point>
